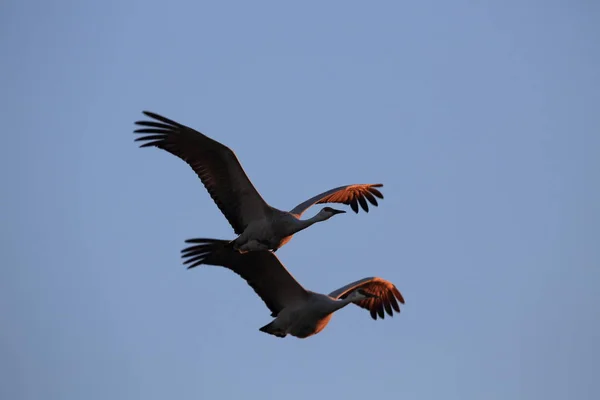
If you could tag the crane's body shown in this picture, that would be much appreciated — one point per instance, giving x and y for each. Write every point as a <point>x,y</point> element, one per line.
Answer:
<point>274,231</point>
<point>309,317</point>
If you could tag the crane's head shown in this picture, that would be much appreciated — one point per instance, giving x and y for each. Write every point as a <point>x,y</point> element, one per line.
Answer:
<point>328,212</point>
<point>360,294</point>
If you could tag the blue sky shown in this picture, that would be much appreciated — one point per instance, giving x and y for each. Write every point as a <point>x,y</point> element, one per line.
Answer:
<point>481,119</point>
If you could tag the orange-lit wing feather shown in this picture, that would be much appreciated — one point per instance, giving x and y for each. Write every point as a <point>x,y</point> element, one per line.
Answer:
<point>352,195</point>
<point>386,291</point>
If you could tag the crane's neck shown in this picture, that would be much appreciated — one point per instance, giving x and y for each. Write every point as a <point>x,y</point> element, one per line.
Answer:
<point>338,304</point>
<point>301,224</point>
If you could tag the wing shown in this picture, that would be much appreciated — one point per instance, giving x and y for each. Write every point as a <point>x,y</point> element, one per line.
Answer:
<point>387,292</point>
<point>215,164</point>
<point>262,270</point>
<point>352,195</point>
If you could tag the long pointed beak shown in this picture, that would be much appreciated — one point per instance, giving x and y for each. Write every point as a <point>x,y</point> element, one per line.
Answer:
<point>334,211</point>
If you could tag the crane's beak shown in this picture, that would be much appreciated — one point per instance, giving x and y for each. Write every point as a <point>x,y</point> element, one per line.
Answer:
<point>334,211</point>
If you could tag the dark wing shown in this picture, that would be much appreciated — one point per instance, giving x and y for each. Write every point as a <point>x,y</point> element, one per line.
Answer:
<point>352,195</point>
<point>215,164</point>
<point>262,270</point>
<point>387,292</point>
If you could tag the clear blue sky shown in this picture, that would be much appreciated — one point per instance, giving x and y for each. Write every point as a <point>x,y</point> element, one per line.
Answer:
<point>481,119</point>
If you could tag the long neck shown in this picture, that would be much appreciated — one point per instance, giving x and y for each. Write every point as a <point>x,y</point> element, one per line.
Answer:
<point>337,304</point>
<point>301,224</point>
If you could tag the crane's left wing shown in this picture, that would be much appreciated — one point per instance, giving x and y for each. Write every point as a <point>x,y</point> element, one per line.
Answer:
<point>385,291</point>
<point>351,195</point>
<point>261,270</point>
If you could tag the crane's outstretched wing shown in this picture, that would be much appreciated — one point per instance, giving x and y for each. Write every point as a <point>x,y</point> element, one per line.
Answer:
<point>215,164</point>
<point>262,270</point>
<point>386,291</point>
<point>352,195</point>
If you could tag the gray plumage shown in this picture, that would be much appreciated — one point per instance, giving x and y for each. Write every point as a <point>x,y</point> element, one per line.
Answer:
<point>258,225</point>
<point>297,311</point>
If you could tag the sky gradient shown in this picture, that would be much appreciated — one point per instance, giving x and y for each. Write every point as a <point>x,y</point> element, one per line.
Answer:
<point>480,118</point>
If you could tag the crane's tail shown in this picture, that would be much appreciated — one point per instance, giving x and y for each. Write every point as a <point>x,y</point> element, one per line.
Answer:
<point>207,251</point>
<point>272,329</point>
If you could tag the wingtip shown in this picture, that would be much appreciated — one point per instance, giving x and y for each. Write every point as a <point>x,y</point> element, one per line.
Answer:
<point>398,295</point>
<point>199,240</point>
<point>194,265</point>
<point>375,192</point>
<point>205,240</point>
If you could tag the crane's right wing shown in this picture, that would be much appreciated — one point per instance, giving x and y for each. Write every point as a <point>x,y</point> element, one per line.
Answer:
<point>352,195</point>
<point>215,164</point>
<point>386,293</point>
<point>262,270</point>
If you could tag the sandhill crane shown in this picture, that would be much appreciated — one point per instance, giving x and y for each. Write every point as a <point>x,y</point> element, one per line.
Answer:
<point>258,225</point>
<point>297,311</point>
